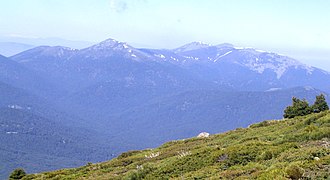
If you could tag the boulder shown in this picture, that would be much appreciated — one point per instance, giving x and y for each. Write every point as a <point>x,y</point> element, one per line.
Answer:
<point>203,135</point>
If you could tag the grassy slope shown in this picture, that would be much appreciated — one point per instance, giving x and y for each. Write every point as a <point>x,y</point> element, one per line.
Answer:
<point>267,150</point>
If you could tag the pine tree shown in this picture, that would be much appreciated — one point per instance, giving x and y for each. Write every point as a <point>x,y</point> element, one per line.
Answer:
<point>298,108</point>
<point>302,108</point>
<point>320,104</point>
<point>17,174</point>
<point>288,112</point>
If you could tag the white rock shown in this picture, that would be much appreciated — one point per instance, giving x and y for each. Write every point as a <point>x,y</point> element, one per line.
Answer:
<point>203,135</point>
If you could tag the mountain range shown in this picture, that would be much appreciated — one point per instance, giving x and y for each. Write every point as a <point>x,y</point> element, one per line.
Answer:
<point>111,97</point>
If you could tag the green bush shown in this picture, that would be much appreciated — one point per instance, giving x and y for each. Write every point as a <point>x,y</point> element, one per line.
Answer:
<point>267,155</point>
<point>140,173</point>
<point>294,172</point>
<point>127,154</point>
<point>261,124</point>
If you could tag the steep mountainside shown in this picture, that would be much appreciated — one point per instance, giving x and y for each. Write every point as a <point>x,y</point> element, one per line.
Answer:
<point>278,149</point>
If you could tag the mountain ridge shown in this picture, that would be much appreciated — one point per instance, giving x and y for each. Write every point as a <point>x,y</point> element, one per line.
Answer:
<point>112,44</point>
<point>274,69</point>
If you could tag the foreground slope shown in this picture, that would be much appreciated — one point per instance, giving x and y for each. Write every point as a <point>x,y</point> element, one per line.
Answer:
<point>289,148</point>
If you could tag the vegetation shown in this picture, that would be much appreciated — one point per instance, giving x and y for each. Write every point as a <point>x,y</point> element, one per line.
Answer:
<point>301,107</point>
<point>296,148</point>
<point>320,104</point>
<point>17,174</point>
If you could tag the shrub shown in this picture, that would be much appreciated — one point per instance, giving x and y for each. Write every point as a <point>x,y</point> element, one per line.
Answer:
<point>261,124</point>
<point>128,154</point>
<point>310,120</point>
<point>294,171</point>
<point>140,173</point>
<point>266,155</point>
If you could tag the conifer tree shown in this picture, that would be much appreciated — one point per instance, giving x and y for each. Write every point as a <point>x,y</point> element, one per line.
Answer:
<point>298,108</point>
<point>288,112</point>
<point>320,104</point>
<point>17,174</point>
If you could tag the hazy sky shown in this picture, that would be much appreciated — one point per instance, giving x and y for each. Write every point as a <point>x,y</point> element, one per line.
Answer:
<point>289,26</point>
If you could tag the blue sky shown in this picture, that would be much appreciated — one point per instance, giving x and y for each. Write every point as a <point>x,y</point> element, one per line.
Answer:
<point>300,28</point>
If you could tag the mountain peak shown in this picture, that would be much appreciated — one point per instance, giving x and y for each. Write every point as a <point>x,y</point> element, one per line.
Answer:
<point>107,43</point>
<point>111,47</point>
<point>225,45</point>
<point>201,43</point>
<point>192,46</point>
<point>110,44</point>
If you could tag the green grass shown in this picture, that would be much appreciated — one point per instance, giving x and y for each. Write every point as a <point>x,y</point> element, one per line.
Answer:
<point>277,149</point>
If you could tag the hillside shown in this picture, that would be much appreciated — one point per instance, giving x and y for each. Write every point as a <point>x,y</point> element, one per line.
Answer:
<point>275,149</point>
